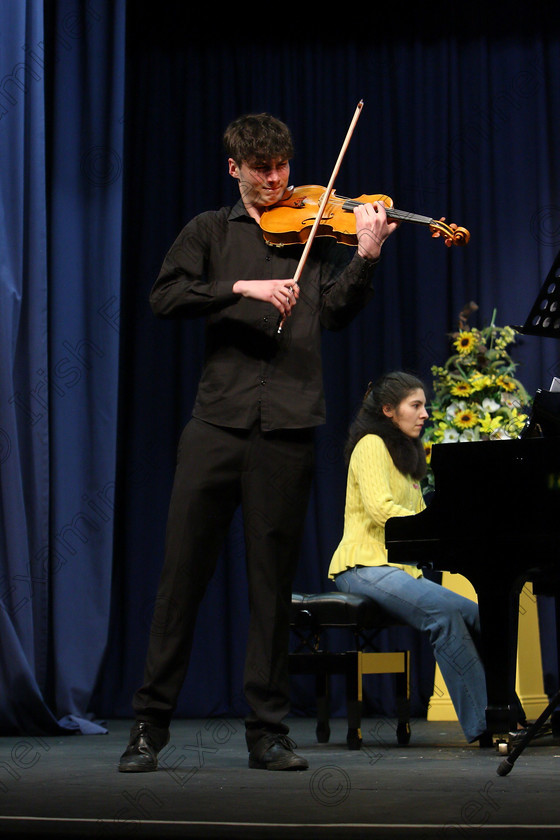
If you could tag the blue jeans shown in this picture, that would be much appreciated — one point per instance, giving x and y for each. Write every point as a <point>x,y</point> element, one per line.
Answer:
<point>452,622</point>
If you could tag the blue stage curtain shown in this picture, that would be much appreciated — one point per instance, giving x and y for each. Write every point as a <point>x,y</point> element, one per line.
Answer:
<point>25,467</point>
<point>61,147</point>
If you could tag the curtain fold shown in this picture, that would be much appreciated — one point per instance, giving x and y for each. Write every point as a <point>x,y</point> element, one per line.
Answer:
<point>61,196</point>
<point>85,221</point>
<point>25,467</point>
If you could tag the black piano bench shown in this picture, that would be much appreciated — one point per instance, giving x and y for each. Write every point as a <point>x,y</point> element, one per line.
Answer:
<point>312,615</point>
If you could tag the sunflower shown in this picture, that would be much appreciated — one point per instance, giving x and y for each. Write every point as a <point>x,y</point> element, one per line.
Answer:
<point>465,419</point>
<point>466,342</point>
<point>461,389</point>
<point>505,383</point>
<point>428,451</point>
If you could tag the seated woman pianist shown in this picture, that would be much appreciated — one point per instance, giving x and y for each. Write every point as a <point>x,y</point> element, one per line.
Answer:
<point>386,462</point>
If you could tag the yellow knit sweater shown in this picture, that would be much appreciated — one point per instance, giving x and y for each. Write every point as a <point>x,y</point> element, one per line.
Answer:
<point>375,491</point>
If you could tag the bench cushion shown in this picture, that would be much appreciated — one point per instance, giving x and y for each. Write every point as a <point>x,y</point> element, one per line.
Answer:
<point>339,609</point>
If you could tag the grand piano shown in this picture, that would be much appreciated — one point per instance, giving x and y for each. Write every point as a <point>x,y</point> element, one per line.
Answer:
<point>495,518</point>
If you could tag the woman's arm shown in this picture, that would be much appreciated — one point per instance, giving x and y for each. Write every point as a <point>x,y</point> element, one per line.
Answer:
<point>383,489</point>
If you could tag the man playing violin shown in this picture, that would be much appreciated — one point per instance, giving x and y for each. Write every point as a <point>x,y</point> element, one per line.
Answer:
<point>249,441</point>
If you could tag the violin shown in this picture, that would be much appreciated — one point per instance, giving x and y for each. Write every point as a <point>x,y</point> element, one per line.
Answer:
<point>306,212</point>
<point>292,219</point>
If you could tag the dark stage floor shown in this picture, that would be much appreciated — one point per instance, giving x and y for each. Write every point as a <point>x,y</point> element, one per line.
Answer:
<point>436,787</point>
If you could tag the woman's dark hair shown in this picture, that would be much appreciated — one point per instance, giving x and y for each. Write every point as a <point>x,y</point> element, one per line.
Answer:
<point>258,138</point>
<point>407,453</point>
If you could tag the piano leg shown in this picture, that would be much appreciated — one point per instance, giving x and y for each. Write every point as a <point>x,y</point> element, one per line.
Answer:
<point>499,612</point>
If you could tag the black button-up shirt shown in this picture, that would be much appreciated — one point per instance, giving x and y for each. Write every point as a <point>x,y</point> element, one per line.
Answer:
<point>250,371</point>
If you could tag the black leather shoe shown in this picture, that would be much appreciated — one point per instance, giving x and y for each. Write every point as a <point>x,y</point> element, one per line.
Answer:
<point>146,740</point>
<point>276,752</point>
<point>519,734</point>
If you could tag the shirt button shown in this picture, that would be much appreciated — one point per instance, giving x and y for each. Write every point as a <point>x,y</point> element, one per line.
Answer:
<point>268,258</point>
<point>263,381</point>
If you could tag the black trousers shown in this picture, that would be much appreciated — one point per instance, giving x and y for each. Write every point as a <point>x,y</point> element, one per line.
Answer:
<point>269,474</point>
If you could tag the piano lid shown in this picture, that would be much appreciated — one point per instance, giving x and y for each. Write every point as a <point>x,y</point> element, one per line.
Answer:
<point>544,318</point>
<point>499,498</point>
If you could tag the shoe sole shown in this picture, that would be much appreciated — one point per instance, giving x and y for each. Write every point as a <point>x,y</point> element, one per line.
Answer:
<point>257,765</point>
<point>132,769</point>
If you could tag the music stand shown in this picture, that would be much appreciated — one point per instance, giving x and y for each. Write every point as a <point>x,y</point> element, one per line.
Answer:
<point>543,320</point>
<point>507,764</point>
<point>544,317</point>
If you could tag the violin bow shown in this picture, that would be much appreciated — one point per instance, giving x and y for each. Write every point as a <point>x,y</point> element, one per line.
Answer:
<point>325,199</point>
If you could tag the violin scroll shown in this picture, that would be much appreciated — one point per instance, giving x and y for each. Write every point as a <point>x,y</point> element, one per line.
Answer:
<point>452,234</point>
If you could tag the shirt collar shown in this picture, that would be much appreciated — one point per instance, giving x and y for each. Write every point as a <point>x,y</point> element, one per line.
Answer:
<point>239,211</point>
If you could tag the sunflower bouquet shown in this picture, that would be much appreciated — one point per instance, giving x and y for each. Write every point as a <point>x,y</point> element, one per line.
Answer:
<point>476,395</point>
